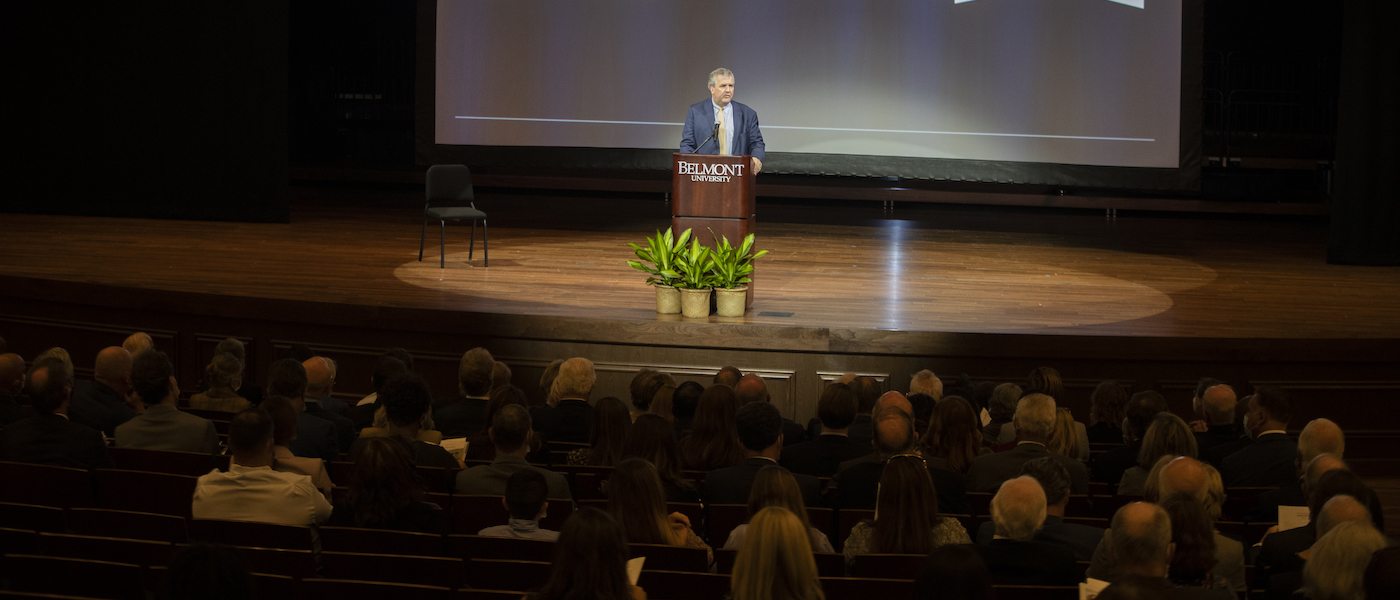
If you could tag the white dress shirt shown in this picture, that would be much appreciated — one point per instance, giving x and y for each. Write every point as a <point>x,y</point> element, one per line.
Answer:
<point>259,494</point>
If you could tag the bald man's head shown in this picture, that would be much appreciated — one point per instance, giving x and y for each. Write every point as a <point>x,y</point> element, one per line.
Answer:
<point>892,400</point>
<point>138,342</point>
<point>1141,541</point>
<point>1320,436</point>
<point>1183,474</point>
<point>751,388</point>
<point>1320,464</point>
<point>113,367</point>
<point>11,374</point>
<point>320,376</point>
<point>728,375</point>
<point>1018,508</point>
<point>1340,509</point>
<point>1219,404</point>
<point>894,432</point>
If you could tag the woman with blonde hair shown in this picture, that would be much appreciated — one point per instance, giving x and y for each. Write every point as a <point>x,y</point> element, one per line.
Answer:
<point>1168,434</point>
<point>775,561</point>
<point>1069,438</point>
<point>224,375</point>
<point>775,486</point>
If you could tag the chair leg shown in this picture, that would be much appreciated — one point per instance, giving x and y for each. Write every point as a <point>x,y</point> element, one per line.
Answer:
<point>472,246</point>
<point>422,238</point>
<point>485,245</point>
<point>442,245</point>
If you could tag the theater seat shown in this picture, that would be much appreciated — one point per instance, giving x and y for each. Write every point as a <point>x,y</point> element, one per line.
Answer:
<point>145,491</point>
<point>467,547</point>
<point>682,585</point>
<point>46,485</point>
<point>33,517</point>
<point>346,589</point>
<point>127,524</point>
<point>382,541</point>
<point>425,570</point>
<point>252,534</point>
<point>140,552</point>
<point>73,577</point>
<point>518,575</point>
<point>671,558</point>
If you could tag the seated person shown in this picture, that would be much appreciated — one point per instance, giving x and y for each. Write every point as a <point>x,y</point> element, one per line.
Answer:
<point>163,426</point>
<point>385,493</point>
<point>636,500</point>
<point>251,490</point>
<point>775,486</point>
<point>406,401</point>
<point>525,499</point>
<point>906,515</point>
<point>50,438</point>
<point>1080,540</point>
<point>1013,555</point>
<point>511,433</point>
<point>284,429</point>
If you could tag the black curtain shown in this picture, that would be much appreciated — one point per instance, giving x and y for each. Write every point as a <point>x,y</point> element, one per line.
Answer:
<point>1366,198</point>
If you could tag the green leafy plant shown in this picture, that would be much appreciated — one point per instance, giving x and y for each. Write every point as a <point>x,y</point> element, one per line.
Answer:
<point>732,266</point>
<point>696,267</point>
<point>660,256</point>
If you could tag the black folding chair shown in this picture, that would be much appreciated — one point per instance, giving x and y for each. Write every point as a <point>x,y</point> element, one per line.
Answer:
<point>450,197</point>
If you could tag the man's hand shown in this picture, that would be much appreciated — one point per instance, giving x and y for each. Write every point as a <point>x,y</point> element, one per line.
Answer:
<point>1200,426</point>
<point>678,521</point>
<point>757,164</point>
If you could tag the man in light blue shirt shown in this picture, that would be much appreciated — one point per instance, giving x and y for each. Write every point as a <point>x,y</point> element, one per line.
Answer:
<point>525,499</point>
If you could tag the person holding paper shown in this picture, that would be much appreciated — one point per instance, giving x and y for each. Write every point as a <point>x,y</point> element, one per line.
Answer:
<point>718,125</point>
<point>590,561</point>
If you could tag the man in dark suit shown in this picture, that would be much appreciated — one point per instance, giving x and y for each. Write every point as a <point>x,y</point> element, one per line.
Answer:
<point>1319,437</point>
<point>1217,404</point>
<point>50,438</point>
<point>316,438</point>
<point>1012,555</point>
<point>1278,553</point>
<point>822,456</point>
<point>1142,547</point>
<point>320,380</point>
<point>1035,423</point>
<point>106,401</point>
<point>14,406</point>
<point>465,415</point>
<point>761,434</point>
<point>163,426</point>
<point>386,369</point>
<point>1269,461</point>
<point>857,483</point>
<point>1080,540</point>
<point>572,417</point>
<point>1142,408</point>
<point>752,389</point>
<point>718,125</point>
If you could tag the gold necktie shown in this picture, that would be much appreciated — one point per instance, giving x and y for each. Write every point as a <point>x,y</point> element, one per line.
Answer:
<point>723,148</point>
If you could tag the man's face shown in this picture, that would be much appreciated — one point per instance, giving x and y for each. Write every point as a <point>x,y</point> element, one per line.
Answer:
<point>722,91</point>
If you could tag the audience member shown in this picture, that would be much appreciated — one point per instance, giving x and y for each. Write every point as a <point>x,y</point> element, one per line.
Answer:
<point>1217,429</point>
<point>644,387</point>
<point>251,490</point>
<point>223,375</point>
<point>106,401</point>
<point>1268,462</point>
<point>316,438</point>
<point>406,402</point>
<point>1013,555</point>
<point>867,391</point>
<point>906,515</point>
<point>953,438</point>
<point>551,371</point>
<point>590,561</point>
<point>570,419</point>
<point>1143,548</point>
<point>527,502</point>
<point>1001,408</point>
<point>479,446</point>
<point>207,572</point>
<point>500,375</point>
<point>14,406</point>
<point>386,492</point>
<point>1141,409</point>
<point>751,388</point>
<point>611,421</point>
<point>56,352</point>
<point>465,415</point>
<point>1080,540</point>
<point>249,389</point>
<point>284,429</point>
<point>775,563</point>
<point>320,383</point>
<point>405,361</point>
<point>728,375</point>
<point>635,499</point>
<point>1193,543</point>
<point>683,404</point>
<point>137,343</point>
<point>954,573</point>
<point>50,438</point>
<point>1106,413</point>
<point>714,442</point>
<point>858,481</point>
<point>1035,423</point>
<point>511,433</point>
<point>775,486</point>
<point>1168,434</point>
<point>386,369</point>
<point>650,438</point>
<point>1046,380</point>
<point>923,405</point>
<point>1325,478</point>
<point>1070,437</point>
<point>927,383</point>
<point>824,454</point>
<point>162,426</point>
<point>1337,567</point>
<point>759,429</point>
<point>661,403</point>
<point>1319,436</point>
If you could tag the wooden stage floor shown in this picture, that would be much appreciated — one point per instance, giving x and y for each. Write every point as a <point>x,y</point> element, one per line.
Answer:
<point>854,266</point>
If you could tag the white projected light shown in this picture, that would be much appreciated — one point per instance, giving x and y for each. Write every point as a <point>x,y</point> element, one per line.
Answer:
<point>1132,3</point>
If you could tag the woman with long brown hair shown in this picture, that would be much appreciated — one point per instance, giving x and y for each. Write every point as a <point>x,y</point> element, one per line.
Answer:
<point>653,439</point>
<point>775,561</point>
<point>1168,434</point>
<point>713,442</point>
<point>954,437</point>
<point>906,515</point>
<point>386,492</point>
<point>635,499</point>
<point>775,486</point>
<point>1107,409</point>
<point>611,420</point>
<point>590,562</point>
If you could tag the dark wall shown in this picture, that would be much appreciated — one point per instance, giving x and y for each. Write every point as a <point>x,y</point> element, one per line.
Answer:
<point>147,109</point>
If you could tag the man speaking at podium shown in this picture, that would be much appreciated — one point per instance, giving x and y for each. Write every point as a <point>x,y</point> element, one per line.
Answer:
<point>722,126</point>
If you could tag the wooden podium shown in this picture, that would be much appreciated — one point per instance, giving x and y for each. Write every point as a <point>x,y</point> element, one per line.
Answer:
<point>713,192</point>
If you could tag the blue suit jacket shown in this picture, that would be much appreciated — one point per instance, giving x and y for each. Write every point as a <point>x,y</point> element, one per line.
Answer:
<point>700,122</point>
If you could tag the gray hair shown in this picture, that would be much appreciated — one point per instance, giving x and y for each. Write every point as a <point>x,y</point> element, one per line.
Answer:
<point>1035,416</point>
<point>720,72</point>
<point>1018,508</point>
<point>1003,402</point>
<point>1338,562</point>
<point>576,377</point>
<point>224,370</point>
<point>925,382</point>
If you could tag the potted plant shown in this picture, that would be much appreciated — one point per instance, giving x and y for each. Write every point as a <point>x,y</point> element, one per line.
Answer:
<point>660,254</point>
<point>696,270</point>
<point>731,270</point>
